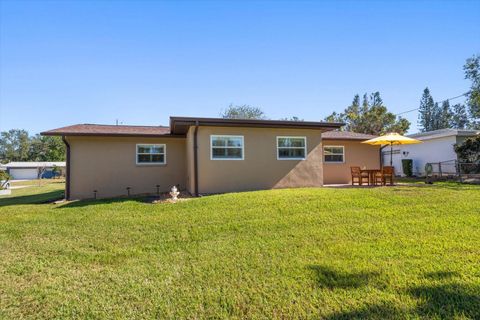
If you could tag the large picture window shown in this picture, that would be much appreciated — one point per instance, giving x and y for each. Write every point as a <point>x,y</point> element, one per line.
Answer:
<point>334,154</point>
<point>151,154</point>
<point>226,147</point>
<point>291,148</point>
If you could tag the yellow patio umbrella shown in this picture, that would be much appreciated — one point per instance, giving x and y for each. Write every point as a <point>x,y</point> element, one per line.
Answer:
<point>391,139</point>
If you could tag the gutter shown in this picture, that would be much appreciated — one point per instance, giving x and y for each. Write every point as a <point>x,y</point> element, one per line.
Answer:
<point>67,179</point>
<point>178,125</point>
<point>252,123</point>
<point>195,158</point>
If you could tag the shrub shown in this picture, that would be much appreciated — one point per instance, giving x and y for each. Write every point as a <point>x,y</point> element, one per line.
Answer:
<point>468,154</point>
<point>469,150</point>
<point>56,171</point>
<point>3,176</point>
<point>407,165</point>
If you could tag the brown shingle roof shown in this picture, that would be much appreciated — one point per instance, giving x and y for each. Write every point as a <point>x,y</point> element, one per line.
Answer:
<point>346,135</point>
<point>108,130</point>
<point>180,125</point>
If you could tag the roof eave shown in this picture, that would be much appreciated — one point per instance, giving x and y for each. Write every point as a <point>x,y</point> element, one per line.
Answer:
<point>218,122</point>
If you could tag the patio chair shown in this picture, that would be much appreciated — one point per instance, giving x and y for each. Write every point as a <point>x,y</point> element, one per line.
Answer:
<point>387,174</point>
<point>358,175</point>
<point>378,178</point>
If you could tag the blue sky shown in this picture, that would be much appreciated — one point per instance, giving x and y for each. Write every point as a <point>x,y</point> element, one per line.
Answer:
<point>73,62</point>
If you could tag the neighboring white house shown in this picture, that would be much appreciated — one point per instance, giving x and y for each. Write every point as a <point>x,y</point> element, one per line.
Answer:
<point>437,147</point>
<point>32,170</point>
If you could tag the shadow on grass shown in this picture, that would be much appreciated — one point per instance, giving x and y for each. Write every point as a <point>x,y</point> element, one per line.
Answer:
<point>33,199</point>
<point>447,300</point>
<point>328,278</point>
<point>92,202</point>
<point>146,198</point>
<point>440,275</point>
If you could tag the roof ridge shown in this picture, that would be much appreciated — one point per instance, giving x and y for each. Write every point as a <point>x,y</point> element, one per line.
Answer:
<point>118,125</point>
<point>347,135</point>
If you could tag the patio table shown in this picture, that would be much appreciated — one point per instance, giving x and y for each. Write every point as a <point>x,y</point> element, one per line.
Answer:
<point>371,175</point>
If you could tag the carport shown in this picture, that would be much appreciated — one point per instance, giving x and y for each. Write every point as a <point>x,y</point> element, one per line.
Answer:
<point>30,170</point>
<point>23,173</point>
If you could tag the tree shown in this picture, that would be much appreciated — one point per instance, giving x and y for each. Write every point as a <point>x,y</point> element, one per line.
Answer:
<point>472,72</point>
<point>365,104</point>
<point>459,118</point>
<point>242,112</point>
<point>435,117</point>
<point>445,116</point>
<point>14,145</point>
<point>469,150</point>
<point>441,116</point>
<point>371,117</point>
<point>46,148</point>
<point>352,114</point>
<point>335,117</point>
<point>379,121</point>
<point>292,118</point>
<point>375,99</point>
<point>17,145</point>
<point>56,171</point>
<point>400,126</point>
<point>426,112</point>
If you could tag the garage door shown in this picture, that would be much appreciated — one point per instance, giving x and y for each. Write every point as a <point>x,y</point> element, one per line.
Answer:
<point>24,174</point>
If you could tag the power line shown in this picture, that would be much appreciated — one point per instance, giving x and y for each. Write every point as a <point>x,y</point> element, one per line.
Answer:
<point>456,97</point>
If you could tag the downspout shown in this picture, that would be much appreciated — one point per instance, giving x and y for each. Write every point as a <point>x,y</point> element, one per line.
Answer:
<point>67,179</point>
<point>381,156</point>
<point>195,158</point>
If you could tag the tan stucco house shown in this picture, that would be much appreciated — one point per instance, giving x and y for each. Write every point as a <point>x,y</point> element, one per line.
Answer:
<point>209,155</point>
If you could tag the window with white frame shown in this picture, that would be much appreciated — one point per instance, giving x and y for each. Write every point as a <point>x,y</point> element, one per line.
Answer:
<point>151,154</point>
<point>291,148</point>
<point>334,154</point>
<point>226,147</point>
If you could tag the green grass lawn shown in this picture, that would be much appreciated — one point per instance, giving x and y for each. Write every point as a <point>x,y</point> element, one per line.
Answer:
<point>34,191</point>
<point>370,253</point>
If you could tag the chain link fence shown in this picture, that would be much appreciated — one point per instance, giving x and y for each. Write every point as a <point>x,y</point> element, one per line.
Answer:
<point>453,169</point>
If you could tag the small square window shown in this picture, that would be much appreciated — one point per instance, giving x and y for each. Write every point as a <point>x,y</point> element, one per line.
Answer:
<point>334,154</point>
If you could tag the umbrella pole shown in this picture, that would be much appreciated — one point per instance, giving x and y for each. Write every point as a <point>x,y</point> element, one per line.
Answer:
<point>391,154</point>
